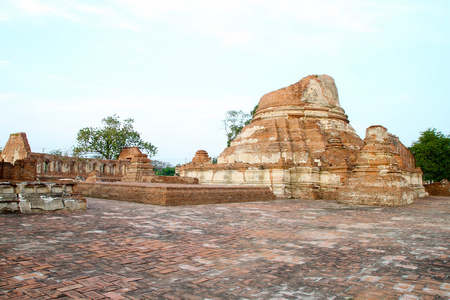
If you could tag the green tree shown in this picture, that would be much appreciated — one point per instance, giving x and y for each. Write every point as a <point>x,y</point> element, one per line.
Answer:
<point>432,152</point>
<point>108,141</point>
<point>56,152</point>
<point>234,121</point>
<point>252,114</point>
<point>163,168</point>
<point>60,152</point>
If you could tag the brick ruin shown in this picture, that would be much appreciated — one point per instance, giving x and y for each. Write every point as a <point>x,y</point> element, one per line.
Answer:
<point>27,180</point>
<point>441,188</point>
<point>301,145</point>
<point>18,163</point>
<point>35,182</point>
<point>53,167</point>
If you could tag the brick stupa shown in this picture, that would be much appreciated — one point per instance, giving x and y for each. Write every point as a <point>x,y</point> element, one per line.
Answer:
<point>300,144</point>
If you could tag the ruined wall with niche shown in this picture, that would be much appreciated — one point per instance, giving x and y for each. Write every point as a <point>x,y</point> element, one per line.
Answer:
<point>19,163</point>
<point>54,166</point>
<point>301,145</point>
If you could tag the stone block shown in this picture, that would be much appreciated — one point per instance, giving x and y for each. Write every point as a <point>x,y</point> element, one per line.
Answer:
<point>25,206</point>
<point>6,207</point>
<point>8,197</point>
<point>46,203</point>
<point>29,201</point>
<point>75,204</point>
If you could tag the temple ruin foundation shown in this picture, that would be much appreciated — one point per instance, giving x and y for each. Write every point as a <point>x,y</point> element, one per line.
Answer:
<point>300,144</point>
<point>130,178</point>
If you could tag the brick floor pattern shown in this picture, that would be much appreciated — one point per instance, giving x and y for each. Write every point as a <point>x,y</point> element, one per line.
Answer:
<point>283,249</point>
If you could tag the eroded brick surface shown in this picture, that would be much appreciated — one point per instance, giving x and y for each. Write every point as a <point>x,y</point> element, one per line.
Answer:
<point>285,249</point>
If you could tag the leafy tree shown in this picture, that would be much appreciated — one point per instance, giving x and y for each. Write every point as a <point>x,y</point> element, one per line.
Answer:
<point>163,168</point>
<point>252,114</point>
<point>60,152</point>
<point>56,152</point>
<point>432,152</point>
<point>166,172</point>
<point>234,121</point>
<point>107,142</point>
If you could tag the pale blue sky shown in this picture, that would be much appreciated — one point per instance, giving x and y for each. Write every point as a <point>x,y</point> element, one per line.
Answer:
<point>176,67</point>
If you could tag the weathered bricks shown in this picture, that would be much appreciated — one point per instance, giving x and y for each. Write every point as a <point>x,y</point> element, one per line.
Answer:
<point>438,188</point>
<point>284,249</point>
<point>173,194</point>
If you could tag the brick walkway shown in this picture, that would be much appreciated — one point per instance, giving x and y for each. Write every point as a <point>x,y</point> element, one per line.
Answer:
<point>286,249</point>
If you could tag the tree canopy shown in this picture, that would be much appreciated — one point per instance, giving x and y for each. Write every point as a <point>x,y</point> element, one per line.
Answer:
<point>108,141</point>
<point>163,168</point>
<point>432,152</point>
<point>234,121</point>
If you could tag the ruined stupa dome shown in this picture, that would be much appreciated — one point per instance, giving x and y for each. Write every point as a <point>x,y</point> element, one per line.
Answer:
<point>296,124</point>
<point>311,96</point>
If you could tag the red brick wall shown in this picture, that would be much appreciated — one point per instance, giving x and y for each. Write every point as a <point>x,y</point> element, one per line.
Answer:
<point>173,194</point>
<point>24,170</point>
<point>21,170</point>
<point>6,170</point>
<point>437,189</point>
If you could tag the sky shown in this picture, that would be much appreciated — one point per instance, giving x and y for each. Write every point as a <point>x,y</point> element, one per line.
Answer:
<point>176,67</point>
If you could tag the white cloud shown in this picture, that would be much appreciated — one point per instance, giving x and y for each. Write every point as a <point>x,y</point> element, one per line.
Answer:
<point>38,8</point>
<point>236,23</point>
<point>232,22</point>
<point>81,85</point>
<point>91,9</point>
<point>33,6</point>
<point>8,96</point>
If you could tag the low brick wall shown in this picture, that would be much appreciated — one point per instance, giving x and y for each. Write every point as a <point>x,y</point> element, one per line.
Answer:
<point>173,194</point>
<point>174,179</point>
<point>438,188</point>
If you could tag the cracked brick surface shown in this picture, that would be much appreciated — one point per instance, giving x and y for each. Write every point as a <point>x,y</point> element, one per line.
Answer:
<point>284,249</point>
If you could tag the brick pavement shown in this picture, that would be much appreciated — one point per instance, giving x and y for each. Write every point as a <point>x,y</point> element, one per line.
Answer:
<point>285,249</point>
